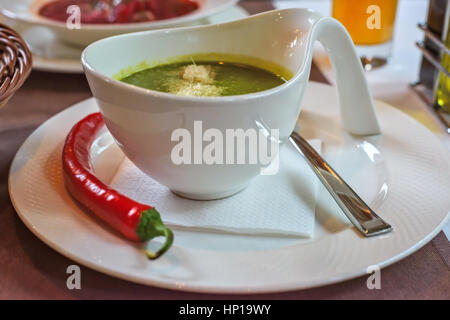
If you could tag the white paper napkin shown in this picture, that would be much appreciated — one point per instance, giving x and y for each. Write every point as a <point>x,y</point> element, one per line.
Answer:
<point>281,204</point>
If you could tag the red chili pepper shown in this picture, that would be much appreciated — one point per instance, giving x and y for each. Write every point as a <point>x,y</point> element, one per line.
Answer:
<point>136,221</point>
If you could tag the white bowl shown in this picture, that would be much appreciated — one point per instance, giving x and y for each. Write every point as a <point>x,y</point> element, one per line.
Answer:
<point>26,12</point>
<point>142,121</point>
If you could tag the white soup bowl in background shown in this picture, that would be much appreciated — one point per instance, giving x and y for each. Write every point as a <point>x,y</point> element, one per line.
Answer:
<point>25,13</point>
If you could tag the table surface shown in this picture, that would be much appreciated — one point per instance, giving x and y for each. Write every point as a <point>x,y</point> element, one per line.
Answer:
<point>31,270</point>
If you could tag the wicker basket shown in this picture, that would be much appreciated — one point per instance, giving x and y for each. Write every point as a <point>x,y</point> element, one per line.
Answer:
<point>15,63</point>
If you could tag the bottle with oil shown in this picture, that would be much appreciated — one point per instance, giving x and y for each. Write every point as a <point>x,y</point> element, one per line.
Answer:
<point>443,85</point>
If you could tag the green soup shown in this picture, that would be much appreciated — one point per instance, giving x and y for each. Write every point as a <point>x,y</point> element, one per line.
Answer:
<point>205,78</point>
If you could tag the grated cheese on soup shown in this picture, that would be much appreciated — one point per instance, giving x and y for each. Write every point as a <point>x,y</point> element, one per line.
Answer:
<point>195,80</point>
<point>198,73</point>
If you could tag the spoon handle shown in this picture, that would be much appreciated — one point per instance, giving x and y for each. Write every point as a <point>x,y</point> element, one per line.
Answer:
<point>359,213</point>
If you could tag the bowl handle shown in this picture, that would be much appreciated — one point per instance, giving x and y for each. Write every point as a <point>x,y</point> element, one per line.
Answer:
<point>356,102</point>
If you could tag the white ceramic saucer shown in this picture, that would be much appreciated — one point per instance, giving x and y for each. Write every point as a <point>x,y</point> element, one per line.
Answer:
<point>403,174</point>
<point>52,55</point>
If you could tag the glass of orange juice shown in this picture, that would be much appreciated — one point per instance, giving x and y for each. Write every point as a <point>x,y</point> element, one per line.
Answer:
<point>371,26</point>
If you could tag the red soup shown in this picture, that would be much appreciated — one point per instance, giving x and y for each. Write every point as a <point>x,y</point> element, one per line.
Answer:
<point>118,11</point>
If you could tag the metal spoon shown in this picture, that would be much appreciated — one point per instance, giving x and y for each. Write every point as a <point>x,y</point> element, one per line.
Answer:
<point>356,210</point>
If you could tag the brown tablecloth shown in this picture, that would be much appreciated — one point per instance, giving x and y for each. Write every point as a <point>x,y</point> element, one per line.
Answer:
<point>31,270</point>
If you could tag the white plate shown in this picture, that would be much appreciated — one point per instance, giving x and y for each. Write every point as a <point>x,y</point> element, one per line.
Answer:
<point>50,54</point>
<point>404,174</point>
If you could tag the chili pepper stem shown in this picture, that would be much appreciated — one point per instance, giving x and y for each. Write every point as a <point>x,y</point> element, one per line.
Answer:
<point>168,234</point>
<point>151,226</point>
